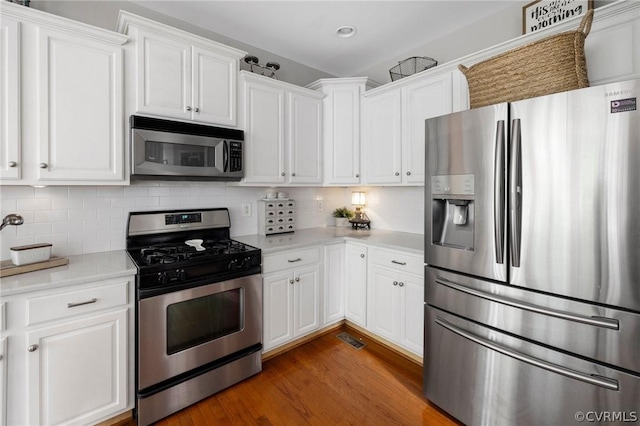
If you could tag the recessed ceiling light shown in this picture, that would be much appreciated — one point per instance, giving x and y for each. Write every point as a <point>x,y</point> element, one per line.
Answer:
<point>346,31</point>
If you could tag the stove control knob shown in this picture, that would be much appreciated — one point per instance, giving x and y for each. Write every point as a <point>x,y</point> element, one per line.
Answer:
<point>233,265</point>
<point>163,278</point>
<point>181,274</point>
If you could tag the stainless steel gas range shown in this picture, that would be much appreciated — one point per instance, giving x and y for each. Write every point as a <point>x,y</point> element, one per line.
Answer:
<point>199,308</point>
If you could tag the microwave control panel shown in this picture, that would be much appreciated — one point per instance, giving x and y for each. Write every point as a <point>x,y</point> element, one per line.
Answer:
<point>235,156</point>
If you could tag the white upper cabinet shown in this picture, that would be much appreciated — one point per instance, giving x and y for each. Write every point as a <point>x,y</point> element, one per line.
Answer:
<point>283,132</point>
<point>341,129</point>
<point>382,138</point>
<point>180,75</point>
<point>393,142</point>
<point>69,100</point>
<point>10,162</point>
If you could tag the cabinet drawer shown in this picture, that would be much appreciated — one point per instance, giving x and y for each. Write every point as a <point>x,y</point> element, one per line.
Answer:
<point>290,259</point>
<point>397,260</point>
<point>67,304</point>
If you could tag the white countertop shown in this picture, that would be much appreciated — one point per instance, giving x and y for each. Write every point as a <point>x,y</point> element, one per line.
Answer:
<point>411,243</point>
<point>81,269</point>
<point>113,264</point>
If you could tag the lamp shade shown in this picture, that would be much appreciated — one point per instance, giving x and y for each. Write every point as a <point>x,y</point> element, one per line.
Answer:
<point>358,198</point>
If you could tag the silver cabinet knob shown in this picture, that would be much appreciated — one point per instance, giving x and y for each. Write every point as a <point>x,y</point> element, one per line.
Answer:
<point>32,348</point>
<point>282,174</point>
<point>188,108</point>
<point>401,284</point>
<point>290,281</point>
<point>408,173</point>
<point>196,109</point>
<point>43,165</point>
<point>362,256</point>
<point>12,164</point>
<point>357,175</point>
<point>293,174</point>
<point>395,283</point>
<point>397,173</point>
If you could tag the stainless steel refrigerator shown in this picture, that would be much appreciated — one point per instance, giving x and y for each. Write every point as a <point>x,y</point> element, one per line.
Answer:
<point>532,252</point>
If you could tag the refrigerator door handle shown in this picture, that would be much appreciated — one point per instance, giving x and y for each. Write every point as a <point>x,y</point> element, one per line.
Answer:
<point>498,193</point>
<point>603,322</point>
<point>604,382</point>
<point>515,193</point>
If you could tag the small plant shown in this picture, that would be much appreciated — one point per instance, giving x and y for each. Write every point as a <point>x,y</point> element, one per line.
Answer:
<point>343,212</point>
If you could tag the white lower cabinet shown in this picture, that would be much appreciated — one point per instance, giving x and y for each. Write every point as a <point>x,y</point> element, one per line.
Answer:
<point>355,284</point>
<point>395,299</point>
<point>291,295</point>
<point>76,370</point>
<point>69,354</point>
<point>333,288</point>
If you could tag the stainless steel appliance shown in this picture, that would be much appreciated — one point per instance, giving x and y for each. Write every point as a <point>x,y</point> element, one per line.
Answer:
<point>532,252</point>
<point>173,150</point>
<point>199,308</point>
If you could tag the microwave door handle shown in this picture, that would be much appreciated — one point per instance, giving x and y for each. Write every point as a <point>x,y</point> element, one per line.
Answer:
<point>225,153</point>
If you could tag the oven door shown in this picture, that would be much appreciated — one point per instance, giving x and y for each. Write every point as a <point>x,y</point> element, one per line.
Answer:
<point>158,153</point>
<point>187,329</point>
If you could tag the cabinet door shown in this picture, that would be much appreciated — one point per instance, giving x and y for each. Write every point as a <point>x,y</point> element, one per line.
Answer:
<point>264,133</point>
<point>306,300</point>
<point>381,143</point>
<point>3,380</point>
<point>80,118</point>
<point>333,284</point>
<point>10,162</point>
<point>355,284</point>
<point>412,308</point>
<point>425,99</point>
<point>77,371</point>
<point>305,139</point>
<point>342,136</point>
<point>278,300</point>
<point>163,75</point>
<point>214,87</point>
<point>384,293</point>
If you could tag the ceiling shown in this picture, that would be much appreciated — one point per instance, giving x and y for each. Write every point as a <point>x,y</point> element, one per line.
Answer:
<point>305,31</point>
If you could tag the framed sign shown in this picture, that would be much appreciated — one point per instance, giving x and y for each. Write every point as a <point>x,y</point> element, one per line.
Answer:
<point>541,14</point>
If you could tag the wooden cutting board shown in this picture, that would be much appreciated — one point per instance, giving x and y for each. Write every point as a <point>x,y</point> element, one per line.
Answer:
<point>7,268</point>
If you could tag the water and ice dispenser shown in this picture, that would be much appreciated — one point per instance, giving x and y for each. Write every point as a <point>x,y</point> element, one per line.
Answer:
<point>453,213</point>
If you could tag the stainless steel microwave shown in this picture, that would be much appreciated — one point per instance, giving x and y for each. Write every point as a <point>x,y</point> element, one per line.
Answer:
<point>173,150</point>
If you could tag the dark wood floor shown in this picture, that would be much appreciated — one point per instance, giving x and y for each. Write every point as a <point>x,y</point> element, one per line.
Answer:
<point>323,382</point>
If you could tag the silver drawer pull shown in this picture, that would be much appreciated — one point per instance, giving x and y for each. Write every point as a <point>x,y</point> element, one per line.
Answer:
<point>604,382</point>
<point>398,263</point>
<point>294,260</point>
<point>88,302</point>
<point>603,322</point>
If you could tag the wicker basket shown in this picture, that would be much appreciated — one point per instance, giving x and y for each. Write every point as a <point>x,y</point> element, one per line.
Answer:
<point>411,66</point>
<point>550,65</point>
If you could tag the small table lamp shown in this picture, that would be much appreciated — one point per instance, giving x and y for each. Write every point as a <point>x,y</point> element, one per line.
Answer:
<point>358,200</point>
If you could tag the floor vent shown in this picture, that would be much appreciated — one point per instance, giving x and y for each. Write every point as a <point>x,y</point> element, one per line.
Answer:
<point>347,338</point>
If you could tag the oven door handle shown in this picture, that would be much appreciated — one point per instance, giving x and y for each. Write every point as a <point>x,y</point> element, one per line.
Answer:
<point>604,382</point>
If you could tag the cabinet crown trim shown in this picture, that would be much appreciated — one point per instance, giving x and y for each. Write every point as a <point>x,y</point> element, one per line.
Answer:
<point>257,78</point>
<point>126,19</point>
<point>40,18</point>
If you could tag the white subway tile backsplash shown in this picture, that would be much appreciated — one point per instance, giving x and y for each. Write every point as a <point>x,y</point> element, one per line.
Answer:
<point>34,204</point>
<point>51,216</point>
<point>90,219</point>
<point>83,191</point>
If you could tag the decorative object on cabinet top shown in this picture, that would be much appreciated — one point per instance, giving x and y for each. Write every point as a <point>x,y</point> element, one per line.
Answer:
<point>550,65</point>
<point>411,66</point>
<point>268,70</point>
